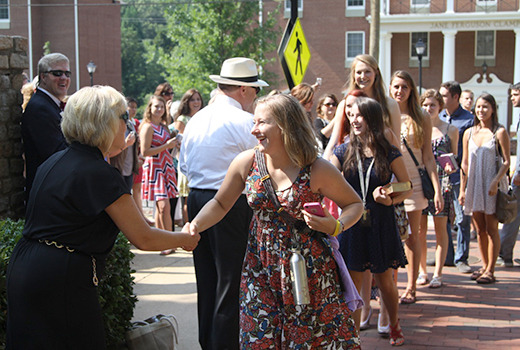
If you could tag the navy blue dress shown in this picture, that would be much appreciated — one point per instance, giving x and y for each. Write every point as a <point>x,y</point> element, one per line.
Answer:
<point>378,247</point>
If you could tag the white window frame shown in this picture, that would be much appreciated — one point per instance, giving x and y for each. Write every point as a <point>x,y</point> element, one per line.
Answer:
<point>412,3</point>
<point>5,23</point>
<point>422,8</point>
<point>287,8</point>
<point>355,7</point>
<point>355,11</point>
<point>487,3</point>
<point>348,60</point>
<point>485,57</point>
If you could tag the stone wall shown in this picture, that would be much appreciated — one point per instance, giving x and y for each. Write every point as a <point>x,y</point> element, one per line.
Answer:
<point>13,60</point>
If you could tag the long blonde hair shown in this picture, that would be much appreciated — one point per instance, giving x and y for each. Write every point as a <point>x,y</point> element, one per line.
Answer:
<point>297,132</point>
<point>378,88</point>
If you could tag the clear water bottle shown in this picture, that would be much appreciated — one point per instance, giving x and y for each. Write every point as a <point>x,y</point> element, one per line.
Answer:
<point>299,279</point>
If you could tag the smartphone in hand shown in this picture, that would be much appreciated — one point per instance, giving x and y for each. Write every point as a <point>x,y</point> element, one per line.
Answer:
<point>314,208</point>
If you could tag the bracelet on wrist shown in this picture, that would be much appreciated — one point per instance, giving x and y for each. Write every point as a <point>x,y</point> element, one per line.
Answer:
<point>338,229</point>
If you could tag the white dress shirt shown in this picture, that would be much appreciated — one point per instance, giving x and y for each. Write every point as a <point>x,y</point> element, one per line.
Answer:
<point>212,139</point>
<point>54,98</point>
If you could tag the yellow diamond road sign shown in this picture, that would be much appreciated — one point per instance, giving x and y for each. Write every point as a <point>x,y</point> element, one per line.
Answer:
<point>297,54</point>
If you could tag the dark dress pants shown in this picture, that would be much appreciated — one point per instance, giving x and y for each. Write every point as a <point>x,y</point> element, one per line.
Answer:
<point>218,260</point>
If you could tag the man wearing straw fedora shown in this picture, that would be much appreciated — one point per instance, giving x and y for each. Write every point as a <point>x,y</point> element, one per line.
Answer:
<point>212,139</point>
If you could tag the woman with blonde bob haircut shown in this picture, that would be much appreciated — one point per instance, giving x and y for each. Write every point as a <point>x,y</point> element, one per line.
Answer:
<point>76,208</point>
<point>93,117</point>
<point>269,316</point>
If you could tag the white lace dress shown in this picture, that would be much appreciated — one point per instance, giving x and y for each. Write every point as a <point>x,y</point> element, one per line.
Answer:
<point>482,170</point>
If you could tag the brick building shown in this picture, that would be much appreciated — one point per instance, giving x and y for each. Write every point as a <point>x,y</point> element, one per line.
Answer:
<point>83,30</point>
<point>474,42</point>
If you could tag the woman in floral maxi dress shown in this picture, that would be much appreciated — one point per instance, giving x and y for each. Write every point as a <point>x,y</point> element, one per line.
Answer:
<point>269,317</point>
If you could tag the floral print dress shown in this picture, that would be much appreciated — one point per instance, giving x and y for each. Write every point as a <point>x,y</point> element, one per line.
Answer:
<point>269,318</point>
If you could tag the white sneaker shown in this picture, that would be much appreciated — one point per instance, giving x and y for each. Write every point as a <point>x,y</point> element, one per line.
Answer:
<point>436,282</point>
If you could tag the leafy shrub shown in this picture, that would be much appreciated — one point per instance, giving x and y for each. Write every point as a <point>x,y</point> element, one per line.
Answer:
<point>116,293</point>
<point>115,289</point>
<point>10,233</point>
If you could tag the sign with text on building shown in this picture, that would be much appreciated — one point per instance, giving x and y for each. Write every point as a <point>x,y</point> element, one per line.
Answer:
<point>294,53</point>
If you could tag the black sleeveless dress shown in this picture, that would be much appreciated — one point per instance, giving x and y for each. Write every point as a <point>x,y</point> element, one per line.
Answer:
<point>52,300</point>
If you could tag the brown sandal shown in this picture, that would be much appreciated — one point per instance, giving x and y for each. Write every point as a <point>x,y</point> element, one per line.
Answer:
<point>477,273</point>
<point>408,297</point>
<point>486,278</point>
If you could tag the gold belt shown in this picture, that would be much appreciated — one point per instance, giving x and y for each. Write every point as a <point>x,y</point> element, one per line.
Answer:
<point>95,280</point>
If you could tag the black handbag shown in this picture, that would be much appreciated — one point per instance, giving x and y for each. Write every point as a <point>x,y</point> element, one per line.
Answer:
<point>426,182</point>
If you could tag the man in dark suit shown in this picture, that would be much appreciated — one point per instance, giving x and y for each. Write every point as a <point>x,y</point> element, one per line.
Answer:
<point>41,131</point>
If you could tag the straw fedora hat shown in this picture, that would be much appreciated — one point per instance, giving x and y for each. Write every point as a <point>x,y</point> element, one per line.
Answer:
<point>238,71</point>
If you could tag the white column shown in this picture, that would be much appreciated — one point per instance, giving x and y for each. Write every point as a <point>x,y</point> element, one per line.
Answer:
<point>448,60</point>
<point>449,6</point>
<point>516,74</point>
<point>385,57</point>
<point>516,79</point>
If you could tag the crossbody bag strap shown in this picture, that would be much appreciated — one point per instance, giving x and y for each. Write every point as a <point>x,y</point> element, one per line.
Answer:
<point>410,151</point>
<point>266,180</point>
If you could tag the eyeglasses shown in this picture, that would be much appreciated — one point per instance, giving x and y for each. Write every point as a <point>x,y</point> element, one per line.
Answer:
<point>124,116</point>
<point>331,104</point>
<point>257,89</point>
<point>167,93</point>
<point>59,73</point>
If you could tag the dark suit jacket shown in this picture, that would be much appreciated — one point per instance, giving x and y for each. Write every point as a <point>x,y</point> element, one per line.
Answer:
<point>41,134</point>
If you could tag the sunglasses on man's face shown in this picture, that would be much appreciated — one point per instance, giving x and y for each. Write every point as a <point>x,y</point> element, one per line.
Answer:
<point>59,73</point>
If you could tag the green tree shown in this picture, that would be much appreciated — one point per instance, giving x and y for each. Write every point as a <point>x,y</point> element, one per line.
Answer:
<point>203,34</point>
<point>142,24</point>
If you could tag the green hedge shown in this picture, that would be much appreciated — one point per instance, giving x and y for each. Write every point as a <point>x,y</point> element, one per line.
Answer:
<point>116,294</point>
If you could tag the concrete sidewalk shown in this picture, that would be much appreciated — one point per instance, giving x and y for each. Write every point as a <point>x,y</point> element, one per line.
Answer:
<point>459,315</point>
<point>166,285</point>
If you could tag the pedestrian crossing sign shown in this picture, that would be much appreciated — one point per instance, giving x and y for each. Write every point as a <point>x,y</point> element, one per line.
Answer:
<point>296,54</point>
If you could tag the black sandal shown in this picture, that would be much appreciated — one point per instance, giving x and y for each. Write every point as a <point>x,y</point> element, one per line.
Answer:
<point>486,278</point>
<point>477,273</point>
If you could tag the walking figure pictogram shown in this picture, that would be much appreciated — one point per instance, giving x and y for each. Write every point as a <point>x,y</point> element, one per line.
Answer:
<point>299,58</point>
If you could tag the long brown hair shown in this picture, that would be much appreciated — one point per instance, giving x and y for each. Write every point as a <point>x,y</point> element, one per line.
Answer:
<point>494,116</point>
<point>374,139</point>
<point>414,108</point>
<point>345,128</point>
<point>147,116</point>
<point>297,132</point>
<point>184,106</point>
